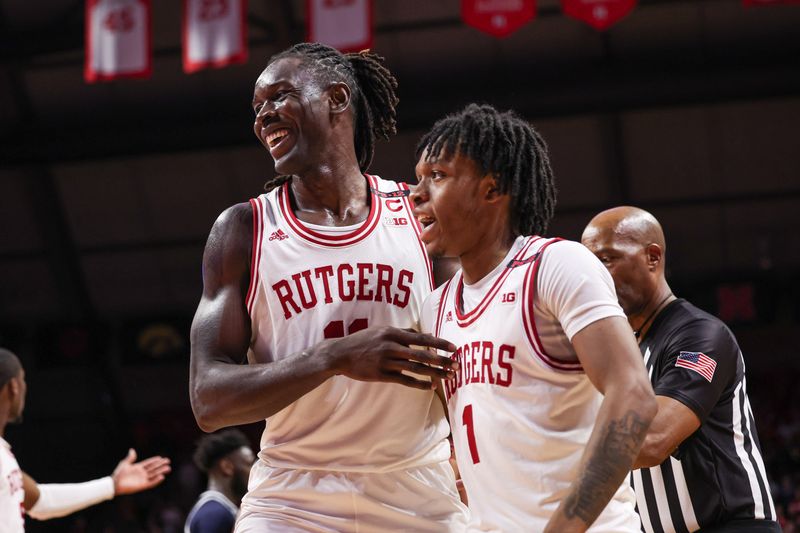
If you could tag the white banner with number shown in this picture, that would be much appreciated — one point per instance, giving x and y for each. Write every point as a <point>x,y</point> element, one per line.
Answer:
<point>214,33</point>
<point>118,39</point>
<point>342,24</point>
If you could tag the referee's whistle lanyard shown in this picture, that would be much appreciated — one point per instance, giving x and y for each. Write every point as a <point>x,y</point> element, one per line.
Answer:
<point>638,333</point>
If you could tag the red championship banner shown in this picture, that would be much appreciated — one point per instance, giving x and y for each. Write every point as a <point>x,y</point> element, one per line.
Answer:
<point>342,24</point>
<point>214,33</point>
<point>599,14</point>
<point>118,40</point>
<point>499,18</point>
<point>751,3</point>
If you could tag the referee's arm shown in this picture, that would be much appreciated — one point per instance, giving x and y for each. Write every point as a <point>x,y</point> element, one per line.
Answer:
<point>684,396</point>
<point>673,424</point>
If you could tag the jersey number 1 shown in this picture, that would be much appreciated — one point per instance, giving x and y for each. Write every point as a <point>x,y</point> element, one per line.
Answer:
<point>466,419</point>
<point>335,328</point>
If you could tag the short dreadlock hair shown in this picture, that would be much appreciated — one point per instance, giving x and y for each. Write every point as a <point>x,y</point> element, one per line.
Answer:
<point>216,446</point>
<point>373,87</point>
<point>507,147</point>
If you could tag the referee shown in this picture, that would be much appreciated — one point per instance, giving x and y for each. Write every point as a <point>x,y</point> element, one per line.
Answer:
<point>700,467</point>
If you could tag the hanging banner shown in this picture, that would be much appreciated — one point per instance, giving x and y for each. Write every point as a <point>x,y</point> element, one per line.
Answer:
<point>118,40</point>
<point>599,14</point>
<point>751,3</point>
<point>343,24</point>
<point>214,33</point>
<point>498,18</point>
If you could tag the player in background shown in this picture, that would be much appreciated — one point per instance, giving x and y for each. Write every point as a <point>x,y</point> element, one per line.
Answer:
<point>317,285</point>
<point>551,401</point>
<point>20,494</point>
<point>226,458</point>
<point>700,466</point>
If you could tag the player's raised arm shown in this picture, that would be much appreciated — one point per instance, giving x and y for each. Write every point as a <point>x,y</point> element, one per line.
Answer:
<point>225,392</point>
<point>611,360</point>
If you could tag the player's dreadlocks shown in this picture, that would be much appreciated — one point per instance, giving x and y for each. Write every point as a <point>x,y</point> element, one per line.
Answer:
<point>509,148</point>
<point>373,93</point>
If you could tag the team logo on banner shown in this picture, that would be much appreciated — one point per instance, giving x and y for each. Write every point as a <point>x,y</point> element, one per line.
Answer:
<point>118,41</point>
<point>599,14</point>
<point>499,18</point>
<point>214,33</point>
<point>342,24</point>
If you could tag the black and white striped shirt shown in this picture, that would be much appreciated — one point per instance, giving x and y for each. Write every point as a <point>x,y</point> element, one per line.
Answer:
<point>717,475</point>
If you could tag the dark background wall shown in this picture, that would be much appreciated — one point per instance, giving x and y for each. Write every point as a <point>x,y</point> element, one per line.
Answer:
<point>107,192</point>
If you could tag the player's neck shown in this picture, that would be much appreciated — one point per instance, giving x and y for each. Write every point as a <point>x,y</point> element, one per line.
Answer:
<point>331,194</point>
<point>642,321</point>
<point>484,258</point>
<point>224,488</point>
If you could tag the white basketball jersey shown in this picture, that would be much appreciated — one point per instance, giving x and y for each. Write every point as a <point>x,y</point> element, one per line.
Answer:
<point>12,493</point>
<point>521,419</point>
<point>314,282</point>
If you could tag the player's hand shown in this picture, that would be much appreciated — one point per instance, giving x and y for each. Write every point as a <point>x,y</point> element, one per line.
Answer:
<point>384,353</point>
<point>130,477</point>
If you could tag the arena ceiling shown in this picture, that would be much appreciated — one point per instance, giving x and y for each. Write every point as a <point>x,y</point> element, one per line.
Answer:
<point>108,190</point>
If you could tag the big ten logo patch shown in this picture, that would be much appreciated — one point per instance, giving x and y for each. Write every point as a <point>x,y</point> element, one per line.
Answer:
<point>509,298</point>
<point>395,221</point>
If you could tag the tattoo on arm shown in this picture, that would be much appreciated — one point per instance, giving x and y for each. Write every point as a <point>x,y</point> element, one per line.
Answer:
<point>606,468</point>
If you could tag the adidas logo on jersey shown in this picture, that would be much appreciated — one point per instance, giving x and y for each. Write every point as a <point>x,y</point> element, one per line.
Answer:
<point>448,317</point>
<point>278,235</point>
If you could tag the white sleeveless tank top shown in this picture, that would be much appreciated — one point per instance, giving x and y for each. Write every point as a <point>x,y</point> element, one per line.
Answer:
<point>521,419</point>
<point>311,283</point>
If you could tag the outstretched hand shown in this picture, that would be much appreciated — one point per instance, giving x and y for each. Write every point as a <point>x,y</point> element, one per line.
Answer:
<point>131,477</point>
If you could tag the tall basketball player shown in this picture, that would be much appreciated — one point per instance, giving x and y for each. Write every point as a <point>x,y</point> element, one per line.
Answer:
<point>318,284</point>
<point>551,402</point>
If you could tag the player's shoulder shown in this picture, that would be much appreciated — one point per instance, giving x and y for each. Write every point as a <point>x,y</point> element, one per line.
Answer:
<point>568,259</point>
<point>236,216</point>
<point>397,187</point>
<point>213,509</point>
<point>233,225</point>
<point>231,240</point>
<point>382,184</point>
<point>558,249</point>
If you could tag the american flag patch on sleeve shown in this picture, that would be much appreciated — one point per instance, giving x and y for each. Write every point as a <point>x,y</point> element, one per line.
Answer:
<point>699,362</point>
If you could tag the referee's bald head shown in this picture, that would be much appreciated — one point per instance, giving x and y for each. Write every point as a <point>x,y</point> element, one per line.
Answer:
<point>628,223</point>
<point>630,243</point>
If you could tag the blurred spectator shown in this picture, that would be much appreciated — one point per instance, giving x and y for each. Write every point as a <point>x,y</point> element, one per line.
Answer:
<point>226,457</point>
